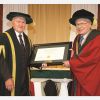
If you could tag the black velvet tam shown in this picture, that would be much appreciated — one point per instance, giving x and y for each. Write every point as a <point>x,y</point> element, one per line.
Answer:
<point>27,17</point>
<point>81,14</point>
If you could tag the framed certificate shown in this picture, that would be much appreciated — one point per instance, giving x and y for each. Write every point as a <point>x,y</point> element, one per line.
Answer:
<point>51,53</point>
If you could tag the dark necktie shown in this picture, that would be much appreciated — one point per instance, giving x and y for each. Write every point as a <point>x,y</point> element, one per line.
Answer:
<point>23,62</point>
<point>21,41</point>
<point>80,43</point>
<point>81,39</point>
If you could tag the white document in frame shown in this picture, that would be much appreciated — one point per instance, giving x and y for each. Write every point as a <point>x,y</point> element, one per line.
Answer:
<point>44,54</point>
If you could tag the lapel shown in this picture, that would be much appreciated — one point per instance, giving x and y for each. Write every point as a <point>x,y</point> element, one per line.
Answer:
<point>14,38</point>
<point>27,44</point>
<point>16,42</point>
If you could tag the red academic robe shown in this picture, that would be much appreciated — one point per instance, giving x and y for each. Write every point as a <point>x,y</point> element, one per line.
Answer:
<point>86,66</point>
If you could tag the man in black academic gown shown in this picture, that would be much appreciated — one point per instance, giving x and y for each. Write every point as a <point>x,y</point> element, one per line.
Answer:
<point>17,56</point>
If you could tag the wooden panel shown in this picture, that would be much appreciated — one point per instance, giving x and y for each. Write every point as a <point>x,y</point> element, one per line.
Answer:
<point>1,17</point>
<point>98,17</point>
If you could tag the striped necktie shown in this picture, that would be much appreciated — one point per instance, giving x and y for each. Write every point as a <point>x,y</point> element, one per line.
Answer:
<point>21,41</point>
<point>80,41</point>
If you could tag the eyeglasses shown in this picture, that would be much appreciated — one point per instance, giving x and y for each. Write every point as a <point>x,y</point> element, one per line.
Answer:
<point>81,24</point>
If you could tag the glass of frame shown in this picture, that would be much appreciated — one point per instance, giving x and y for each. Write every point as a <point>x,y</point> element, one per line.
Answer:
<point>50,53</point>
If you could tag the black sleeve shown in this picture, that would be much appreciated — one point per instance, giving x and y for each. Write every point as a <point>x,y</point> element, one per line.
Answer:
<point>3,68</point>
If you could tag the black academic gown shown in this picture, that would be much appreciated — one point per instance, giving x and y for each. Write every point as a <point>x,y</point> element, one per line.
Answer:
<point>22,64</point>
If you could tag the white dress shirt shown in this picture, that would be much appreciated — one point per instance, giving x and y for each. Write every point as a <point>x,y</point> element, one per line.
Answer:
<point>17,35</point>
<point>84,38</point>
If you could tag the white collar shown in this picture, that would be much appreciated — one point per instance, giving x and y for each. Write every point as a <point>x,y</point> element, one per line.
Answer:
<point>17,34</point>
<point>86,35</point>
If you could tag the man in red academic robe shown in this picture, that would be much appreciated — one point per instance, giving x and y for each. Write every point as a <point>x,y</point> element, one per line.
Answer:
<point>85,60</point>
